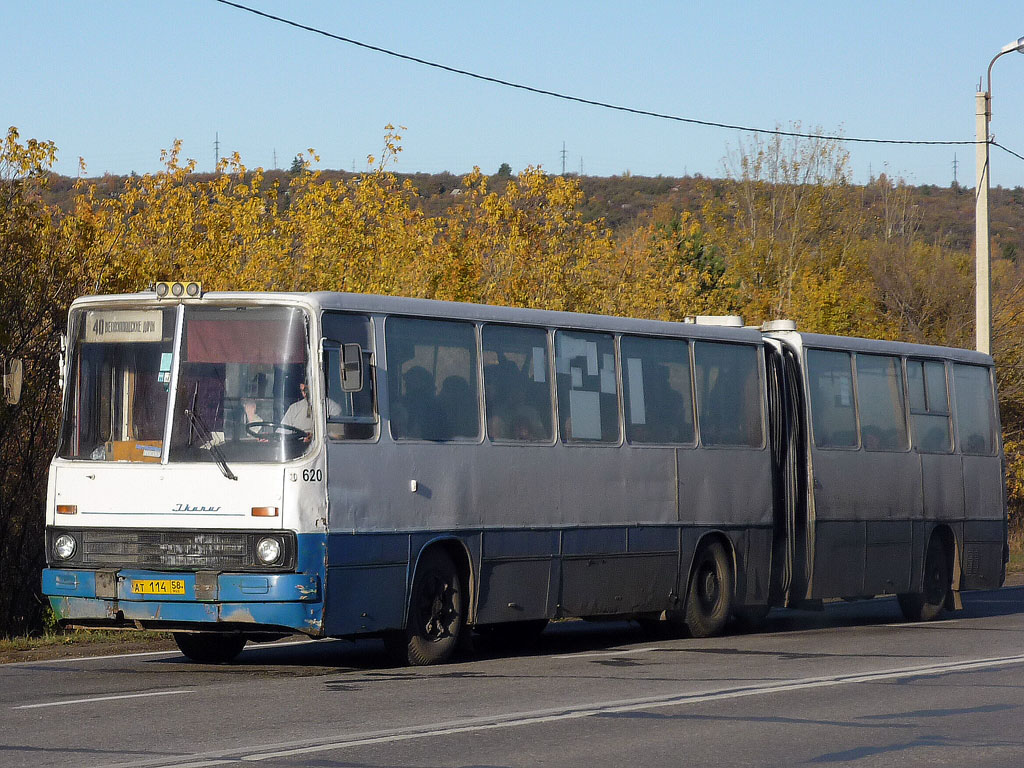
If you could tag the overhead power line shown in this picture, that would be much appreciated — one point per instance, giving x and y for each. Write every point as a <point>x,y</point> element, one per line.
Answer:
<point>592,102</point>
<point>1005,149</point>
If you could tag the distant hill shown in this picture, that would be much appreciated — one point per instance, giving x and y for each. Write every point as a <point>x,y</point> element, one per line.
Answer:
<point>942,214</point>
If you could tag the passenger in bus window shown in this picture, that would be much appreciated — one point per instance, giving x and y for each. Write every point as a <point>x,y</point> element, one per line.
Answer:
<point>416,414</point>
<point>457,403</point>
<point>509,416</point>
<point>149,408</point>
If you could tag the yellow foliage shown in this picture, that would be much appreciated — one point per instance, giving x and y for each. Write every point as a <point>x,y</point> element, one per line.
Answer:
<point>667,271</point>
<point>791,230</point>
<point>525,245</point>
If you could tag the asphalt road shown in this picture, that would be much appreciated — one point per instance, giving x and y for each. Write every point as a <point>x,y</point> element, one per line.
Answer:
<point>854,685</point>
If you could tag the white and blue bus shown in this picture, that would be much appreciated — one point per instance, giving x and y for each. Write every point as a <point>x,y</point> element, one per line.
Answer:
<point>241,466</point>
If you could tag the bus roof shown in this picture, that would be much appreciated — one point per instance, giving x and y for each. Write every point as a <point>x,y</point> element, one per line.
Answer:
<point>371,303</point>
<point>880,346</point>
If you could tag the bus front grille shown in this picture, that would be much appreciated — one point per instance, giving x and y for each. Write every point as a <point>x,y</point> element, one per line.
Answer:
<point>172,549</point>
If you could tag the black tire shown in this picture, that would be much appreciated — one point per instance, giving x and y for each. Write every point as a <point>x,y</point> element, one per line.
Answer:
<point>930,603</point>
<point>709,597</point>
<point>209,647</point>
<point>436,613</point>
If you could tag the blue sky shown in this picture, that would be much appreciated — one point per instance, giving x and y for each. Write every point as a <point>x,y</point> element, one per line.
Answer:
<point>117,81</point>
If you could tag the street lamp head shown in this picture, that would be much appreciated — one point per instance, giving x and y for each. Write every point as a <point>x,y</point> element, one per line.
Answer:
<point>1016,45</point>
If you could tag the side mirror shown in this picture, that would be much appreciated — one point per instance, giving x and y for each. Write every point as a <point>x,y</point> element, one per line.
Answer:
<point>12,381</point>
<point>351,368</point>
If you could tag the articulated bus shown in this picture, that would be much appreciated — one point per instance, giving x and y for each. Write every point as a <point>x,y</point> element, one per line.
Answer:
<point>243,466</point>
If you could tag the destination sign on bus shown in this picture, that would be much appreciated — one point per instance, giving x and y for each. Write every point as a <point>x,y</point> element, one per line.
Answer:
<point>124,326</point>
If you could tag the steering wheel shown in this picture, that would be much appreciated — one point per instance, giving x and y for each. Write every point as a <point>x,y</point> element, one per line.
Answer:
<point>252,429</point>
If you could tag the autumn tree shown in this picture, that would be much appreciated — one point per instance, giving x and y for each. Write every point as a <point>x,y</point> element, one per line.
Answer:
<point>791,231</point>
<point>525,244</point>
<point>667,269</point>
<point>41,272</point>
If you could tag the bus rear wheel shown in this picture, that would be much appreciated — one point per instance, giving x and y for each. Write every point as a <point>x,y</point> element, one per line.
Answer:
<point>436,613</point>
<point>929,603</point>
<point>209,647</point>
<point>709,599</point>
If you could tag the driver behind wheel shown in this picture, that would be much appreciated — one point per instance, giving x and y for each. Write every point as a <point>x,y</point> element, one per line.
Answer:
<point>299,414</point>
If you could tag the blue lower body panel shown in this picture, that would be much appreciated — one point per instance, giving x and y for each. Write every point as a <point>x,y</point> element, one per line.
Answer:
<point>292,601</point>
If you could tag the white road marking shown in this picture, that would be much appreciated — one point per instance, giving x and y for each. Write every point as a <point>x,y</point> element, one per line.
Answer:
<point>94,699</point>
<point>935,624</point>
<point>603,654</point>
<point>537,717</point>
<point>88,658</point>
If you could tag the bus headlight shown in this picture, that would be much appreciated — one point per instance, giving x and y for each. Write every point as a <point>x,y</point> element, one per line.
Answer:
<point>268,550</point>
<point>64,546</point>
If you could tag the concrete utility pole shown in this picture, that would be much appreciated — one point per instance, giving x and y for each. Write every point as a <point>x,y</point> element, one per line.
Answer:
<point>983,280</point>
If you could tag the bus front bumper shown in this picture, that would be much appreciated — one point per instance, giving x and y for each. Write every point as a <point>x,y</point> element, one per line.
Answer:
<point>252,601</point>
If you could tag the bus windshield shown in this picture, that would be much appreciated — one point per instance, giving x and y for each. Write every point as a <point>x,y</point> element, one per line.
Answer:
<point>237,388</point>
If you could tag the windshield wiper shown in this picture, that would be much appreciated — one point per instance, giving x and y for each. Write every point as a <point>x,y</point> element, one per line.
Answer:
<point>197,423</point>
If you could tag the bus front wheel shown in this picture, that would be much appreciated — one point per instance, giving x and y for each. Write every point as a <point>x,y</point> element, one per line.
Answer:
<point>709,600</point>
<point>209,647</point>
<point>436,613</point>
<point>929,603</point>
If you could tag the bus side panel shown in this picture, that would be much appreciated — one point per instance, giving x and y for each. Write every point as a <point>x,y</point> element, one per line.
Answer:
<point>983,493</point>
<point>729,489</point>
<point>984,530</point>
<point>602,574</point>
<point>366,582</point>
<point>725,487</point>
<point>943,482</point>
<point>518,575</point>
<point>889,544</point>
<point>982,564</point>
<point>753,566</point>
<point>447,486</point>
<point>453,487</point>
<point>865,502</point>
<point>838,558</point>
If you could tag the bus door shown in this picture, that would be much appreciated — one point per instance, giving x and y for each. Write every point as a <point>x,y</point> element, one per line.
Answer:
<point>366,572</point>
<point>866,480</point>
<point>790,545</point>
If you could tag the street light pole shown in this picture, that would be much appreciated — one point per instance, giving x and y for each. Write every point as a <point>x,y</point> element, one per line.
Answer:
<point>983,280</point>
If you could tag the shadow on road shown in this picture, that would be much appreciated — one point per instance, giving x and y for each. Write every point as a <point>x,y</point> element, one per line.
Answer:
<point>571,637</point>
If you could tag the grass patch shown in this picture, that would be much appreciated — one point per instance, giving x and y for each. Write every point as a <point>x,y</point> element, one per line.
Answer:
<point>1016,563</point>
<point>80,638</point>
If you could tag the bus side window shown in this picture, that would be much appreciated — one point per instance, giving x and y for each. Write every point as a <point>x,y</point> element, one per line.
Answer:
<point>587,385</point>
<point>929,406</point>
<point>974,409</point>
<point>830,384</point>
<point>432,379</point>
<point>517,389</point>
<point>657,391</point>
<point>883,421</point>
<point>350,415</point>
<point>728,394</point>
